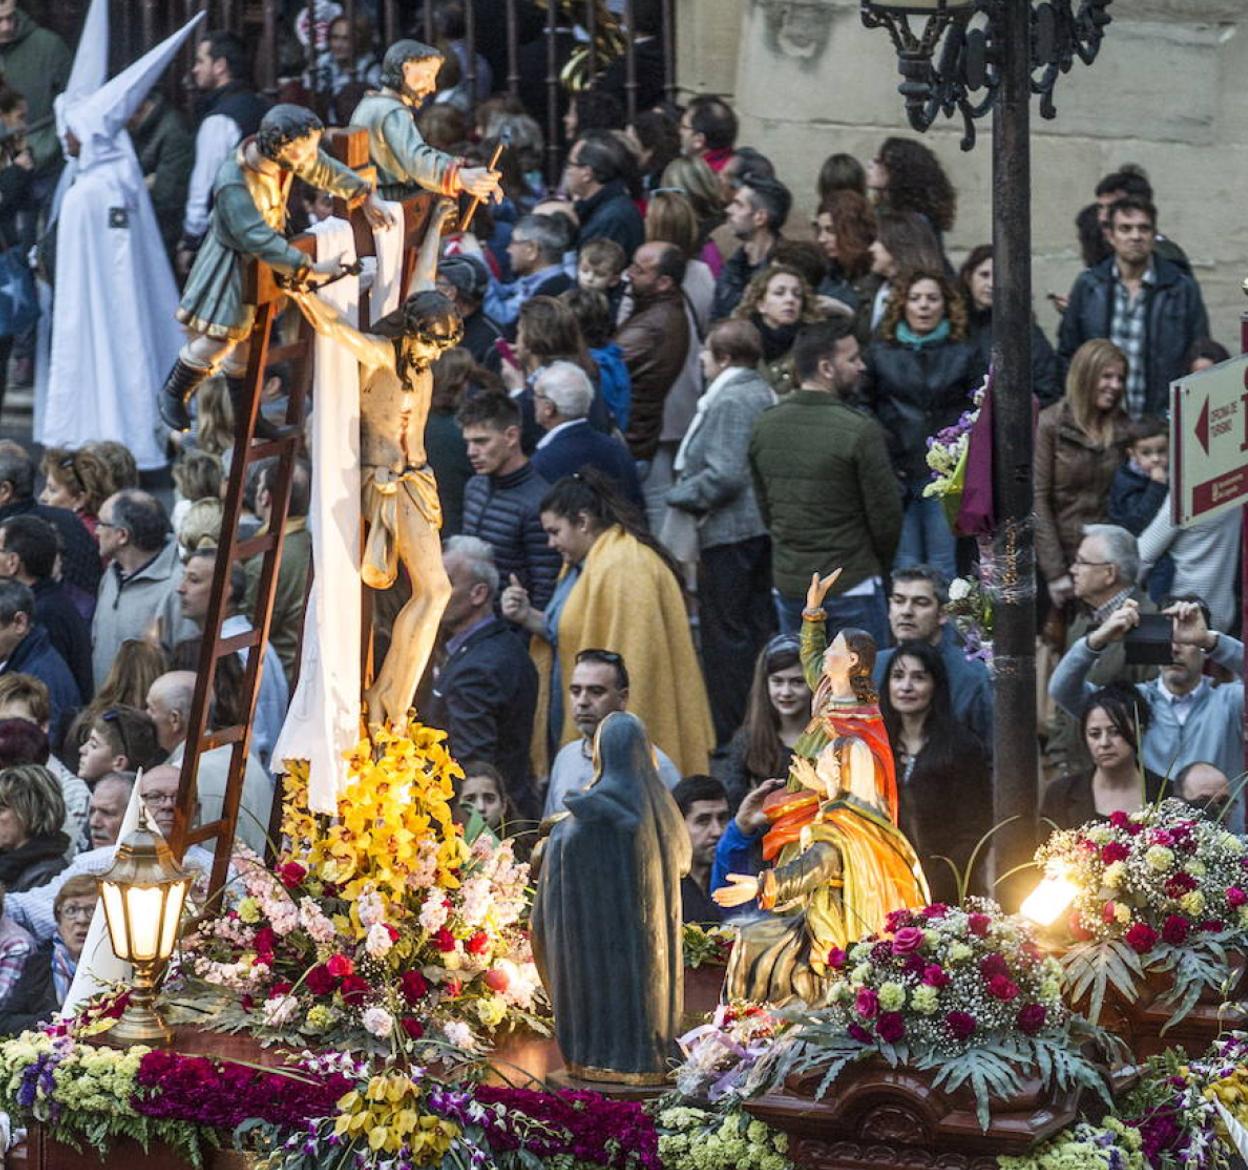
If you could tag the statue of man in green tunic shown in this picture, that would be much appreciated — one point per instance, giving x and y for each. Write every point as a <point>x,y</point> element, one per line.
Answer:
<point>249,219</point>
<point>405,163</point>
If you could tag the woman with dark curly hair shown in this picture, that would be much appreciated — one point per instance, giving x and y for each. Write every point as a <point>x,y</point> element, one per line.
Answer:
<point>778,302</point>
<point>920,373</point>
<point>975,279</point>
<point>907,176</point>
<point>845,231</point>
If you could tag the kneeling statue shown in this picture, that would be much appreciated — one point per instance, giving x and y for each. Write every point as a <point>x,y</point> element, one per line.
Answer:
<point>840,864</point>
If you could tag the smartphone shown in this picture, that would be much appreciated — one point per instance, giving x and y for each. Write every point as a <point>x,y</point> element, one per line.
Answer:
<point>506,352</point>
<point>1149,643</point>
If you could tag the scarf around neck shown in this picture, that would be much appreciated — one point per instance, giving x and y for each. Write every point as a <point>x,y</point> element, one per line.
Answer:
<point>907,336</point>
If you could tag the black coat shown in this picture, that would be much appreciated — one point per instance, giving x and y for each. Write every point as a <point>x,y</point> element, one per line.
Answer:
<point>916,391</point>
<point>503,511</point>
<point>69,634</point>
<point>485,697</point>
<point>1175,318</point>
<point>33,997</point>
<point>1134,499</point>
<point>35,655</point>
<point>34,863</point>
<point>1068,802</point>
<point>80,555</point>
<point>610,214</point>
<point>1044,383</point>
<point>572,449</point>
<point>928,798</point>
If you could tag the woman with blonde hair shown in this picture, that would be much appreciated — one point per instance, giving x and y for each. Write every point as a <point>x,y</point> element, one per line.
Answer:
<point>778,302</point>
<point>921,372</point>
<point>670,219</point>
<point>699,184</point>
<point>201,525</point>
<point>1079,443</point>
<point>197,475</point>
<point>78,480</point>
<point>214,419</point>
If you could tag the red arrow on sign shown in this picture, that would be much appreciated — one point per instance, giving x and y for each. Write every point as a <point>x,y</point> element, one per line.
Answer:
<point>1202,426</point>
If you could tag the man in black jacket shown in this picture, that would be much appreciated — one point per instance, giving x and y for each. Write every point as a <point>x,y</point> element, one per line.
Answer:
<point>231,111</point>
<point>594,176</point>
<point>26,649</point>
<point>485,692</point>
<point>501,501</point>
<point>28,554</point>
<point>756,215</point>
<point>465,279</point>
<point>1149,307</point>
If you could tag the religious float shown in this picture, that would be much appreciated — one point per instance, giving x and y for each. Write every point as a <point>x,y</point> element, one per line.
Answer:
<point>389,989</point>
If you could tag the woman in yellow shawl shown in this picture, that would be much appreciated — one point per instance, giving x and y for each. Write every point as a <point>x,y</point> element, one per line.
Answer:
<point>840,863</point>
<point>616,592</point>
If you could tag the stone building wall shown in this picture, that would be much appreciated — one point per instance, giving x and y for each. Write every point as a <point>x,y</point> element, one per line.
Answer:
<point>1169,91</point>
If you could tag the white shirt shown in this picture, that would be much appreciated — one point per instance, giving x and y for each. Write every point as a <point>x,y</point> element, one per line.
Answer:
<point>573,769</point>
<point>1181,704</point>
<point>218,135</point>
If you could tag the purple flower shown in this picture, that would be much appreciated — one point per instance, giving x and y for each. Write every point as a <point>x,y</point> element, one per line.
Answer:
<point>961,1025</point>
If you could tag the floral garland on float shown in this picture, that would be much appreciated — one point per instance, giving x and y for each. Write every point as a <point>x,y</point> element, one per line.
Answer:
<point>1183,1114</point>
<point>383,931</point>
<point>963,993</point>
<point>1158,893</point>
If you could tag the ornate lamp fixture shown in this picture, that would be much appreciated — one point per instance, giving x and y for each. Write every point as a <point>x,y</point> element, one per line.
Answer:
<point>143,895</point>
<point>950,65</point>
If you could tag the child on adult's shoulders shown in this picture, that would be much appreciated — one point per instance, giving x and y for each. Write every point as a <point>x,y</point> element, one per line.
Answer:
<point>1141,486</point>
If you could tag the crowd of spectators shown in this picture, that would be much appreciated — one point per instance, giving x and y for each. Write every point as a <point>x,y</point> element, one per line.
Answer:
<point>671,405</point>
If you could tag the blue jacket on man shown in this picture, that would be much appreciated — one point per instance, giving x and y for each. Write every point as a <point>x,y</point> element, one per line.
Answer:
<point>1212,732</point>
<point>970,687</point>
<point>35,655</point>
<point>1175,318</point>
<point>485,697</point>
<point>571,445</point>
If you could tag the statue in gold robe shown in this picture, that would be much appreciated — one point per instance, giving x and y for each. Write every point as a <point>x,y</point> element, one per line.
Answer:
<point>839,863</point>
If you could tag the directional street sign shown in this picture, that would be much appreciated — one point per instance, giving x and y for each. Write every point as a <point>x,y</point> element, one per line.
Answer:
<point>1209,441</point>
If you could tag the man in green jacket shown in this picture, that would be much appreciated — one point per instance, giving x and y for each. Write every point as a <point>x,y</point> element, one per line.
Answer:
<point>826,487</point>
<point>35,62</point>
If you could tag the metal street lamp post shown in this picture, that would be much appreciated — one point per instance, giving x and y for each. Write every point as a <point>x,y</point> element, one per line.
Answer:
<point>969,57</point>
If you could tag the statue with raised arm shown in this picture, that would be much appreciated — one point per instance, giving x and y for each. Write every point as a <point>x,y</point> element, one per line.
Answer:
<point>839,864</point>
<point>249,220</point>
<point>401,511</point>
<point>406,163</point>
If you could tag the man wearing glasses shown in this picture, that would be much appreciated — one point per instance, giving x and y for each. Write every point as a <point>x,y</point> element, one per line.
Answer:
<point>599,686</point>
<point>594,177</point>
<point>536,250</point>
<point>1103,574</point>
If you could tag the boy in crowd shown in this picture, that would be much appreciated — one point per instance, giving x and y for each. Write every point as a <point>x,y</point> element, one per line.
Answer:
<point>600,268</point>
<point>1141,486</point>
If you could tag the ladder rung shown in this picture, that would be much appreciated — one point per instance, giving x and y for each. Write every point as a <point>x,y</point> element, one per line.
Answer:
<point>286,437</point>
<point>236,642</point>
<point>221,737</point>
<point>205,832</point>
<point>253,546</point>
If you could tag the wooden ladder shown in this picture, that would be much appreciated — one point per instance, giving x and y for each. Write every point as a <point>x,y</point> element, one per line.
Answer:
<point>262,290</point>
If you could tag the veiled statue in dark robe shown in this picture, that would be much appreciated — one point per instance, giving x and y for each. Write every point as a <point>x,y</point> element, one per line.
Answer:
<point>606,916</point>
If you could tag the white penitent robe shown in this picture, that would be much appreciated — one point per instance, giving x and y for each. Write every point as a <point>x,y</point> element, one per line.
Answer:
<point>114,333</point>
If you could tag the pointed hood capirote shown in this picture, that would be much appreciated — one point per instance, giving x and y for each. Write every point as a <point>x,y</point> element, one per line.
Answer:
<point>90,68</point>
<point>97,119</point>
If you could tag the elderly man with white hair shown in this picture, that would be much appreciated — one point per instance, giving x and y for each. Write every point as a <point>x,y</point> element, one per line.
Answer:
<point>562,397</point>
<point>485,690</point>
<point>169,701</point>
